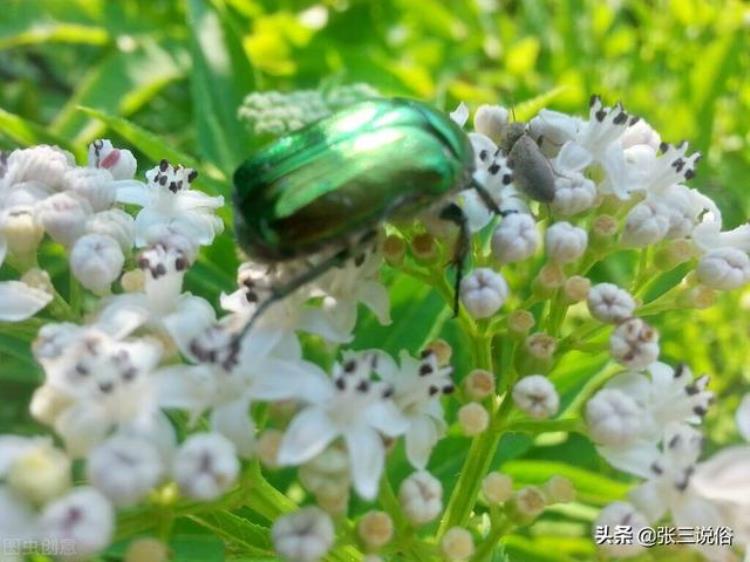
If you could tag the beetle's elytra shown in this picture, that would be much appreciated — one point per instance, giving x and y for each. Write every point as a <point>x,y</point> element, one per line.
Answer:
<point>346,173</point>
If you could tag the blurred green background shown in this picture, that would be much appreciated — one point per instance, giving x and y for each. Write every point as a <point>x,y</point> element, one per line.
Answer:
<point>180,69</point>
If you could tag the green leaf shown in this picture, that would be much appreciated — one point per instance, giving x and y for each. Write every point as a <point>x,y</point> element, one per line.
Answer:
<point>251,538</point>
<point>220,78</point>
<point>157,148</point>
<point>26,133</point>
<point>121,83</point>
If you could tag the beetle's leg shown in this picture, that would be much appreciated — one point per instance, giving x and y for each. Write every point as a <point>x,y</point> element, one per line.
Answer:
<point>453,213</point>
<point>489,201</point>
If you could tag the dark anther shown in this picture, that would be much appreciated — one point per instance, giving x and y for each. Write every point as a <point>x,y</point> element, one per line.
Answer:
<point>494,168</point>
<point>692,389</point>
<point>163,180</point>
<point>673,442</point>
<point>129,374</point>
<point>340,384</point>
<point>425,369</point>
<point>634,119</point>
<point>160,270</point>
<point>426,353</point>
<point>350,366</point>
<point>700,411</point>
<point>483,155</point>
<point>433,390</point>
<point>388,392</point>
<point>163,165</point>
<point>143,263</point>
<point>656,469</point>
<point>507,178</point>
<point>173,187</point>
<point>593,99</point>
<point>363,386</point>
<point>664,147</point>
<point>81,369</point>
<point>448,389</point>
<point>600,115</point>
<point>679,370</point>
<point>180,264</point>
<point>106,387</point>
<point>251,296</point>
<point>689,174</point>
<point>621,118</point>
<point>192,175</point>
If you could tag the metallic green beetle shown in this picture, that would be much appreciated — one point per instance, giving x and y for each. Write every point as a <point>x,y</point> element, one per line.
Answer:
<point>330,184</point>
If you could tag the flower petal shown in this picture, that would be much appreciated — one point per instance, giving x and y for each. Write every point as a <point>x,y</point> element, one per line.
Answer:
<point>19,301</point>
<point>387,418</point>
<point>374,296</point>
<point>420,440</point>
<point>634,459</point>
<point>309,433</point>
<point>572,158</point>
<point>367,456</point>
<point>277,379</point>
<point>724,477</point>
<point>650,500</point>
<point>742,417</point>
<point>234,422</point>
<point>134,193</point>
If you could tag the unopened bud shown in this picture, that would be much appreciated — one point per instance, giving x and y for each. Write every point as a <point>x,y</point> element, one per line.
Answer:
<point>38,279</point>
<point>577,288</point>
<point>674,253</point>
<point>550,278</point>
<point>63,216</point>
<point>497,487</point>
<point>424,247</point>
<point>147,549</point>
<point>40,474</point>
<point>96,260</point>
<point>457,544</point>
<point>699,297</point>
<point>520,322</point>
<point>529,503</point>
<point>473,419</point>
<point>603,232</point>
<point>375,529</point>
<point>47,403</point>
<point>394,249</point>
<point>334,504</point>
<point>536,353</point>
<point>133,281</point>
<point>21,231</point>
<point>560,490</point>
<point>442,350</point>
<point>479,384</point>
<point>268,447</point>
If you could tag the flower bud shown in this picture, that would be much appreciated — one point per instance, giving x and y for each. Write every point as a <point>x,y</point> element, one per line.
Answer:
<point>483,292</point>
<point>424,248</point>
<point>442,350</point>
<point>550,278</point>
<point>577,288</point>
<point>38,279</point>
<point>115,223</point>
<point>479,384</point>
<point>268,447</point>
<point>64,216</point>
<point>303,536</point>
<point>613,418</point>
<point>375,529</point>
<point>93,184</point>
<point>603,231</point>
<point>491,120</point>
<point>206,466</point>
<point>47,403</point>
<point>674,253</point>
<point>473,419</point>
<point>394,249</point>
<point>559,490</point>
<point>646,223</point>
<point>421,497</point>
<point>565,243</point>
<point>147,549</point>
<point>515,239</point>
<point>335,504</point>
<point>536,354</point>
<point>699,297</point>
<point>520,322</point>
<point>574,193</point>
<point>40,474</point>
<point>634,344</point>
<point>125,469</point>
<point>457,544</point>
<point>119,162</point>
<point>497,487</point>
<point>21,230</point>
<point>609,303</point>
<point>529,503</point>
<point>133,281</point>
<point>536,396</point>
<point>327,474</point>
<point>44,164</point>
<point>96,260</point>
<point>724,268</point>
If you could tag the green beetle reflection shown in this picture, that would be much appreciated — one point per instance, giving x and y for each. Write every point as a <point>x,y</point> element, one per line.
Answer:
<point>332,183</point>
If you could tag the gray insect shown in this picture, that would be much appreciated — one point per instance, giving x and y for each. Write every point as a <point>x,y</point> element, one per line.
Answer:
<point>532,172</point>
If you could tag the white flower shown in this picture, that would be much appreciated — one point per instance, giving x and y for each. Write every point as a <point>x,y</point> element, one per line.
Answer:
<point>115,223</point>
<point>43,164</point>
<point>124,468</point>
<point>639,132</point>
<point>536,396</point>
<point>497,487</point>
<point>555,129</point>
<point>515,239</point>
<point>18,520</point>
<point>351,406</point>
<point>64,217</point>
<point>95,185</point>
<point>33,468</point>
<point>634,344</point>
<point>565,242</point>
<point>647,408</point>
<point>20,230</point>
<point>613,418</point>
<point>83,517</point>
<point>96,260</point>
<point>105,382</point>
<point>206,466</point>
<point>621,515</point>
<point>574,193</point>
<point>491,120</point>
<point>647,223</point>
<point>421,497</point>
<point>168,201</point>
<point>483,292</point>
<point>118,161</point>
<point>303,536</point>
<point>417,387</point>
<point>609,303</point>
<point>19,301</point>
<point>457,544</point>
<point>724,268</point>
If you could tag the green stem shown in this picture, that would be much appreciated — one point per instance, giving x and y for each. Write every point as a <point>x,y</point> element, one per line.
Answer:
<point>490,542</point>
